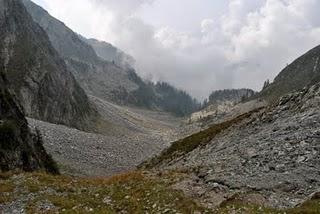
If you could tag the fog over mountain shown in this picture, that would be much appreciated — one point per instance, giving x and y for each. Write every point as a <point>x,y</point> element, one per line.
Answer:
<point>211,45</point>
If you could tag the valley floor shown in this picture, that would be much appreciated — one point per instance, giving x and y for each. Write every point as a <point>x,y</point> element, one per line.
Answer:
<point>131,136</point>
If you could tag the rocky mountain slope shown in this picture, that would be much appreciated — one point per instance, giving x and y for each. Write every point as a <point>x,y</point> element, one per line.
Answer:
<point>36,73</point>
<point>98,77</point>
<point>108,80</point>
<point>303,72</point>
<point>133,136</point>
<point>19,148</point>
<point>271,152</point>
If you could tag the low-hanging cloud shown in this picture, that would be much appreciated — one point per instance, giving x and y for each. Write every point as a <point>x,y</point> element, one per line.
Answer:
<point>250,43</point>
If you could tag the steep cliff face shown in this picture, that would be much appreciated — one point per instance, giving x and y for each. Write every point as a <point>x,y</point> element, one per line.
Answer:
<point>19,148</point>
<point>35,71</point>
<point>97,76</point>
<point>303,72</point>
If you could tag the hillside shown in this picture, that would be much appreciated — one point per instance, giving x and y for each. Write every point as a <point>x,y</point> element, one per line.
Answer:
<point>19,148</point>
<point>267,152</point>
<point>225,103</point>
<point>36,73</point>
<point>230,95</point>
<point>82,132</point>
<point>135,192</point>
<point>303,72</point>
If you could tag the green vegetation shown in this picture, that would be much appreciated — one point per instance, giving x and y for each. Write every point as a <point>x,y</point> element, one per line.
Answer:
<point>134,192</point>
<point>236,206</point>
<point>6,189</point>
<point>161,96</point>
<point>192,142</point>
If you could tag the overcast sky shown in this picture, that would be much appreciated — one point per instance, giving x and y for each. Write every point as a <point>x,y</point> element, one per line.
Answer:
<point>199,45</point>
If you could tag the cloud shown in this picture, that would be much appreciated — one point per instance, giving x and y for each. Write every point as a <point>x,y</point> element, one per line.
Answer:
<point>251,42</point>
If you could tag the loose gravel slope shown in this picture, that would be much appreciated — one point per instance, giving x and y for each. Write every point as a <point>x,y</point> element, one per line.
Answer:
<point>132,136</point>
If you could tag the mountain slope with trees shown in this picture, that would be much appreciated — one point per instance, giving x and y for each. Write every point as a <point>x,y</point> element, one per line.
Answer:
<point>108,80</point>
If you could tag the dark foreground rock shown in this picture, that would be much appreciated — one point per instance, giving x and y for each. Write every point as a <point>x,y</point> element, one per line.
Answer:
<point>19,148</point>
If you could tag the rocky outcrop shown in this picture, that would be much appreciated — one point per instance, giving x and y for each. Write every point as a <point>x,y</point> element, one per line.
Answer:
<point>19,148</point>
<point>36,73</point>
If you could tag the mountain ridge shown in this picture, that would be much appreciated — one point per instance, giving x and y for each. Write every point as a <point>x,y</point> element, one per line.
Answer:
<point>104,79</point>
<point>302,72</point>
<point>36,73</point>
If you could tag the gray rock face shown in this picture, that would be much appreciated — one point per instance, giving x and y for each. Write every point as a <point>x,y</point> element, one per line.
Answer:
<point>274,152</point>
<point>19,148</point>
<point>36,73</point>
<point>97,76</point>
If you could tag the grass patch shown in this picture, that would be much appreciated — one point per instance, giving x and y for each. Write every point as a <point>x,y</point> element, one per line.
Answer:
<point>309,207</point>
<point>7,188</point>
<point>192,142</point>
<point>6,175</point>
<point>133,192</point>
<point>237,206</point>
<point>4,199</point>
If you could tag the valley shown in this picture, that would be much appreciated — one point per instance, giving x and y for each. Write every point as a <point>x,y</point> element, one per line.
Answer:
<point>82,132</point>
<point>131,136</point>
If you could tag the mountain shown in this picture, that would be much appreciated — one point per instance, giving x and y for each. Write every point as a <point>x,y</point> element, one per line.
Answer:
<point>229,95</point>
<point>303,72</point>
<point>110,53</point>
<point>36,73</point>
<point>265,157</point>
<point>108,80</point>
<point>19,148</point>
<point>224,102</point>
